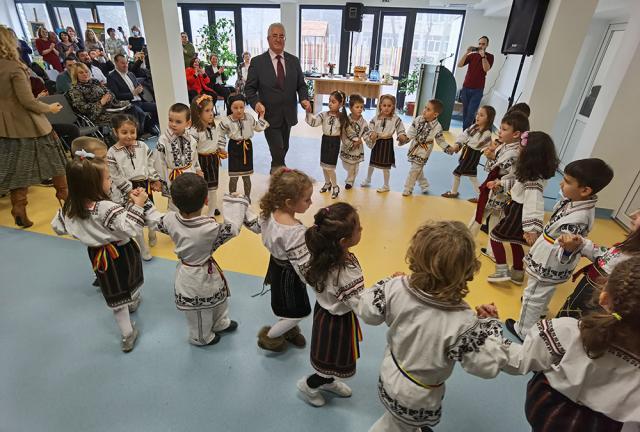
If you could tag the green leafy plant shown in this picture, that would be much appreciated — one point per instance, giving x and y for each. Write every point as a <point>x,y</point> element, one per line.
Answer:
<point>216,40</point>
<point>409,85</point>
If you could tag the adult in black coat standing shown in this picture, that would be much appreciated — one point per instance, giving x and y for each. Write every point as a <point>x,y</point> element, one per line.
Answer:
<point>275,84</point>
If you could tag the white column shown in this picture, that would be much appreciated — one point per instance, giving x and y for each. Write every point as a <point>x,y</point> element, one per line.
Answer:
<point>165,54</point>
<point>134,17</point>
<point>610,132</point>
<point>565,27</point>
<point>289,13</point>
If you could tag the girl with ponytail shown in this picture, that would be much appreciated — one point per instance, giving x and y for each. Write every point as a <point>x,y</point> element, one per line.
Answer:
<point>335,275</point>
<point>588,376</point>
<point>334,125</point>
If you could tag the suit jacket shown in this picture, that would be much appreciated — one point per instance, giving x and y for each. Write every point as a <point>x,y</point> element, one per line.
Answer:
<point>261,86</point>
<point>120,88</point>
<point>21,114</point>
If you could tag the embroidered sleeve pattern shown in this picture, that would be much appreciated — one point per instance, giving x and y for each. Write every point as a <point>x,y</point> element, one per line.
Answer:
<point>415,417</point>
<point>550,339</point>
<point>474,338</point>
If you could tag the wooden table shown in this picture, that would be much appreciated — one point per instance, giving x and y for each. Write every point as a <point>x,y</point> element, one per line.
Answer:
<point>324,86</point>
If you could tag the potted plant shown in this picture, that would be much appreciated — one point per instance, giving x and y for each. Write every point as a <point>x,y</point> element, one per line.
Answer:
<point>216,40</point>
<point>409,85</point>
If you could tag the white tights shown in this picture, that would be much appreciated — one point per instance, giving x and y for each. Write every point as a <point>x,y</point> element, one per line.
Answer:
<point>282,326</point>
<point>123,320</point>
<point>330,176</point>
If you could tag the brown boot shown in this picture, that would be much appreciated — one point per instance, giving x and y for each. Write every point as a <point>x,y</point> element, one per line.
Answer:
<point>295,337</point>
<point>60,184</point>
<point>19,207</point>
<point>271,344</point>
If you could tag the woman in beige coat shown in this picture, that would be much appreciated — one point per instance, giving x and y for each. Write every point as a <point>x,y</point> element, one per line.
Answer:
<point>29,149</point>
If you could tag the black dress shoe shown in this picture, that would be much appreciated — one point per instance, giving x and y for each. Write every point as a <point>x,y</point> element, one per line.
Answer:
<point>510,324</point>
<point>233,325</point>
<point>95,282</point>
<point>216,212</point>
<point>215,340</point>
<point>348,186</point>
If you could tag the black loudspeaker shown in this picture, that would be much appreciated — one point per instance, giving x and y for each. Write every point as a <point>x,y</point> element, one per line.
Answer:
<point>352,20</point>
<point>523,27</point>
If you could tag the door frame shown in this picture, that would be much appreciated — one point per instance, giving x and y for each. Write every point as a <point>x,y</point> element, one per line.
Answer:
<point>593,72</point>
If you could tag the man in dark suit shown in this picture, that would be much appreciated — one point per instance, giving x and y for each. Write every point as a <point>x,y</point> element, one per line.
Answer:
<point>125,86</point>
<point>274,80</point>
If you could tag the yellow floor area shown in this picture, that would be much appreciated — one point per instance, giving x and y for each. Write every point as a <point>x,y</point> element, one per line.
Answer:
<point>388,220</point>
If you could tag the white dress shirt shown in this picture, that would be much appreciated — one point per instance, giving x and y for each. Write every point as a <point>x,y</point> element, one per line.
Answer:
<point>129,83</point>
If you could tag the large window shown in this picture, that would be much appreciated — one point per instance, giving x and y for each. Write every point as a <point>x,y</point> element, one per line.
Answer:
<point>255,23</point>
<point>63,16</point>
<point>199,19</point>
<point>436,37</point>
<point>230,16</point>
<point>361,44</point>
<point>391,44</point>
<point>180,19</point>
<point>113,16</point>
<point>33,15</point>
<point>320,33</point>
<point>85,15</point>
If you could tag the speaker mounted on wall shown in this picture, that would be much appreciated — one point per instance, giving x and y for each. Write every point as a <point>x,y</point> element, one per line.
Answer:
<point>352,21</point>
<point>523,27</point>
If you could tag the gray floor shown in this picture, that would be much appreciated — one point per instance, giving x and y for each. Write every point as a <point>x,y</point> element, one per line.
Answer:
<point>62,369</point>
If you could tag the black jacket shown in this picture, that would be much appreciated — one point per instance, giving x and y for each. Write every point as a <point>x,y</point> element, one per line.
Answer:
<point>261,87</point>
<point>120,88</point>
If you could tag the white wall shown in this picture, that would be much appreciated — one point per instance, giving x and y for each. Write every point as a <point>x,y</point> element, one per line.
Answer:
<point>577,82</point>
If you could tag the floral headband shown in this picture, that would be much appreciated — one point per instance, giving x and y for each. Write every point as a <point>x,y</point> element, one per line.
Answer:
<point>202,98</point>
<point>82,154</point>
<point>524,138</point>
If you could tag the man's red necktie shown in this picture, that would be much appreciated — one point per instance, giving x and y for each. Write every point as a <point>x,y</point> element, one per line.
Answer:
<point>280,73</point>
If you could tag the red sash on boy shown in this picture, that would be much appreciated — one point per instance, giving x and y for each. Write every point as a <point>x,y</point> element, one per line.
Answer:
<point>494,174</point>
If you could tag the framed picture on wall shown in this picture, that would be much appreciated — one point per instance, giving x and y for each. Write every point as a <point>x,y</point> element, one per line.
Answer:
<point>98,29</point>
<point>33,27</point>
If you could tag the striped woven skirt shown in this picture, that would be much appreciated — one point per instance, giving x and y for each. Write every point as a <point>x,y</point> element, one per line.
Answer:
<point>289,298</point>
<point>549,410</point>
<point>144,184</point>
<point>329,150</point>
<point>582,301</point>
<point>509,229</point>
<point>118,269</point>
<point>240,157</point>
<point>468,162</point>
<point>382,155</point>
<point>210,165</point>
<point>335,342</point>
<point>27,161</point>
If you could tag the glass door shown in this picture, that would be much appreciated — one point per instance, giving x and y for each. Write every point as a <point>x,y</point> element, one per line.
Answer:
<point>198,18</point>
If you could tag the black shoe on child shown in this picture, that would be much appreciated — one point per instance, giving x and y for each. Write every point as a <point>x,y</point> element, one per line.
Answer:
<point>510,324</point>
<point>216,212</point>
<point>95,282</point>
<point>215,340</point>
<point>233,325</point>
<point>348,186</point>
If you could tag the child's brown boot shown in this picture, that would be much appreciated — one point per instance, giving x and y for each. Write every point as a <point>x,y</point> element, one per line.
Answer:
<point>295,337</point>
<point>271,344</point>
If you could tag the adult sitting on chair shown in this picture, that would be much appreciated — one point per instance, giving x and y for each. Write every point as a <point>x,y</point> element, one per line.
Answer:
<point>89,98</point>
<point>125,86</point>
<point>218,79</point>
<point>63,80</point>
<point>94,70</point>
<point>198,81</point>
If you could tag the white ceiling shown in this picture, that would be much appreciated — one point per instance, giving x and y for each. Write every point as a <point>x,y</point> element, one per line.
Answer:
<point>607,9</point>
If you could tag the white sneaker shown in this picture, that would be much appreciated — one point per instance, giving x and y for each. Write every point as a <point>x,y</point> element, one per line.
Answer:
<point>146,255</point>
<point>500,275</point>
<point>383,189</point>
<point>406,193</point>
<point>337,387</point>
<point>365,183</point>
<point>153,238</point>
<point>128,342</point>
<point>312,396</point>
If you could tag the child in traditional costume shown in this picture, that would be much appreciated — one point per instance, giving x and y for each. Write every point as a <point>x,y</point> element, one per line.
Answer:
<point>201,290</point>
<point>547,263</point>
<point>336,276</point>
<point>334,123</point>
<point>106,228</point>
<point>210,153</point>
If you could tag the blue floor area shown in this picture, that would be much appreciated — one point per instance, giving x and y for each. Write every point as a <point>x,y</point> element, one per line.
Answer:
<point>62,368</point>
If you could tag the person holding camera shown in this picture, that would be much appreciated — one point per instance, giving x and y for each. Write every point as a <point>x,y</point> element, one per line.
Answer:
<point>479,62</point>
